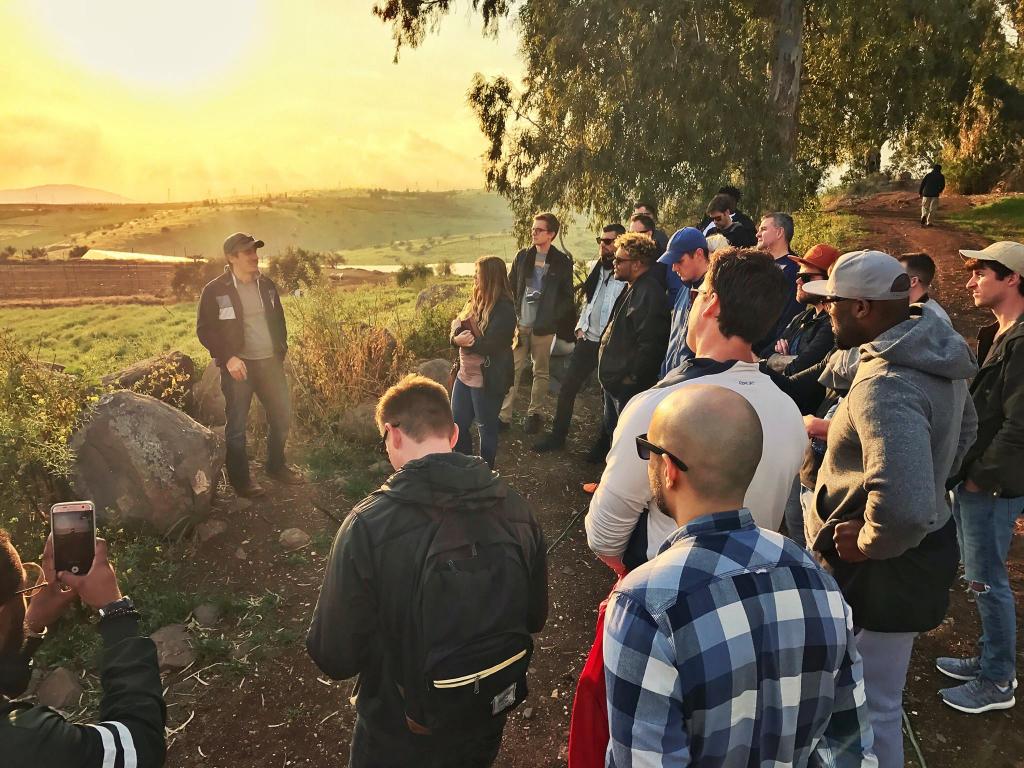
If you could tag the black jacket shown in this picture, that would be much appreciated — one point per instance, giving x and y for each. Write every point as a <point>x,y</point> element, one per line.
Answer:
<point>132,713</point>
<point>365,602</point>
<point>996,460</point>
<point>634,343</point>
<point>219,318</point>
<point>495,346</point>
<point>811,334</point>
<point>932,184</point>
<point>557,307</point>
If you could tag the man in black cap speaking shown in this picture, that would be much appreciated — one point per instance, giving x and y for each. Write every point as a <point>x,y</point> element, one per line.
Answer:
<point>242,323</point>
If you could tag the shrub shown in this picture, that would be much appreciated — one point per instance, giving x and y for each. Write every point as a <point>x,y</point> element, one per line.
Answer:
<point>39,410</point>
<point>78,251</point>
<point>425,335</point>
<point>35,253</point>
<point>408,274</point>
<point>8,253</point>
<point>296,268</point>
<point>188,280</point>
<point>341,354</point>
<point>443,268</point>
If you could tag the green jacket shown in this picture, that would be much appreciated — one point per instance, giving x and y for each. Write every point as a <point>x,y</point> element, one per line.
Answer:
<point>132,714</point>
<point>995,460</point>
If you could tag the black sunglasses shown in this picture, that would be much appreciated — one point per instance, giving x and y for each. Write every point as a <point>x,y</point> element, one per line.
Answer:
<point>383,447</point>
<point>644,449</point>
<point>810,276</point>
<point>605,240</point>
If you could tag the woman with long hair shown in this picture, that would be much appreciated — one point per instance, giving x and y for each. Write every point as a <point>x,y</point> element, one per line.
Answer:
<point>484,331</point>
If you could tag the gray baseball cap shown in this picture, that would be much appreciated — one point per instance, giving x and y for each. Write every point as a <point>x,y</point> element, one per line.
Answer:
<point>869,275</point>
<point>239,242</point>
<point>1006,252</point>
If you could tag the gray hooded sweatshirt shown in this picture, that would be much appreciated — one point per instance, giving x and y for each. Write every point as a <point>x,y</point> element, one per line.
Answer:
<point>903,428</point>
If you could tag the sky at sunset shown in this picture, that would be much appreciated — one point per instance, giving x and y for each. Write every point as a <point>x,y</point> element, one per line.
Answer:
<point>217,97</point>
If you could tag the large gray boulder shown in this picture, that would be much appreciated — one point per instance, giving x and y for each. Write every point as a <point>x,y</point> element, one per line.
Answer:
<point>437,369</point>
<point>209,398</point>
<point>147,462</point>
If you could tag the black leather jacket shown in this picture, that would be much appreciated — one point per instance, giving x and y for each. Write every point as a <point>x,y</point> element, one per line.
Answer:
<point>635,340</point>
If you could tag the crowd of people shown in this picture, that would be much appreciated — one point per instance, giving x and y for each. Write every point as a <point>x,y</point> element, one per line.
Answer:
<point>799,453</point>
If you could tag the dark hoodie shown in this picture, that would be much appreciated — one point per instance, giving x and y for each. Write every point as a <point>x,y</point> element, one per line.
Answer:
<point>906,422</point>
<point>365,602</point>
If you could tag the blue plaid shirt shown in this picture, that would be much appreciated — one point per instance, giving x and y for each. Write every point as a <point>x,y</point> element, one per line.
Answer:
<point>733,648</point>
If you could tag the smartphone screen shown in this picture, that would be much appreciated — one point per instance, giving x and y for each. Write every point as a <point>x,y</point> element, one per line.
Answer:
<point>74,536</point>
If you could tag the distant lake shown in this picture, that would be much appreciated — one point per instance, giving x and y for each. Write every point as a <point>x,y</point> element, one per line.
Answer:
<point>461,269</point>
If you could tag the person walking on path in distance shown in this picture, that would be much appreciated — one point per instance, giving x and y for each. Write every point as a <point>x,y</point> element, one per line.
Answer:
<point>931,187</point>
<point>241,322</point>
<point>989,489</point>
<point>484,333</point>
<point>880,520</point>
<point>433,587</point>
<point>541,280</point>
<point>731,647</point>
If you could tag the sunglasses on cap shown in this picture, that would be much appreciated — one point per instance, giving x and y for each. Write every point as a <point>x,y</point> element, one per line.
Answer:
<point>644,449</point>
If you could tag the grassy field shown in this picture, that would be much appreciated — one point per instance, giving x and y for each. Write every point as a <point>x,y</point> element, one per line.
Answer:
<point>96,339</point>
<point>1001,220</point>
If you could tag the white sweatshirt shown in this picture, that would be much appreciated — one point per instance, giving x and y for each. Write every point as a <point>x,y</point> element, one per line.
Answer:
<point>624,492</point>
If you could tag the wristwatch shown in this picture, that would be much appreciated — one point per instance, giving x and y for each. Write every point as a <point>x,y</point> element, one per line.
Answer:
<point>122,607</point>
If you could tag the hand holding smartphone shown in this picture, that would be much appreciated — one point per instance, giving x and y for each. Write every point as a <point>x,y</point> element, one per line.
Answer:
<point>73,524</point>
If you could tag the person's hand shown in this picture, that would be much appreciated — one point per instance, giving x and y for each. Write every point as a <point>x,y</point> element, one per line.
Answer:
<point>49,604</point>
<point>972,487</point>
<point>845,538</point>
<point>782,347</point>
<point>817,428</point>
<point>579,335</point>
<point>615,563</point>
<point>236,367</point>
<point>99,586</point>
<point>465,339</point>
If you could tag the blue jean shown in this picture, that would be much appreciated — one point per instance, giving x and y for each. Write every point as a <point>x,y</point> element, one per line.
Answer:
<point>886,657</point>
<point>471,404</point>
<point>984,527</point>
<point>266,380</point>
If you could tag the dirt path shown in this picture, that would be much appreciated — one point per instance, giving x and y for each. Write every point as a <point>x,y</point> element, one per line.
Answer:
<point>269,706</point>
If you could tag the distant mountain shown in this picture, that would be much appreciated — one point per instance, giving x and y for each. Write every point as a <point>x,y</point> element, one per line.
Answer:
<point>59,194</point>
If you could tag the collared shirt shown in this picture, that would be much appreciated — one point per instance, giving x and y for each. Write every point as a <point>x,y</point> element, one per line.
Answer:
<point>733,648</point>
<point>678,351</point>
<point>598,311</point>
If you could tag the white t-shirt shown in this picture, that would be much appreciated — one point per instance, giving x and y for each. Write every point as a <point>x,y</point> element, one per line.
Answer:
<point>624,492</point>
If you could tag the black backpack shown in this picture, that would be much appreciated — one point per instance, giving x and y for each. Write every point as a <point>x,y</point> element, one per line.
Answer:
<point>468,648</point>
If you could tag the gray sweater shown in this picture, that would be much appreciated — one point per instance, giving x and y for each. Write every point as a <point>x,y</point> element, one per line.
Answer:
<point>903,428</point>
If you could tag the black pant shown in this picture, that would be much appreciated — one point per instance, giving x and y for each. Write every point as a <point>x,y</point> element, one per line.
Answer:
<point>373,749</point>
<point>582,363</point>
<point>266,380</point>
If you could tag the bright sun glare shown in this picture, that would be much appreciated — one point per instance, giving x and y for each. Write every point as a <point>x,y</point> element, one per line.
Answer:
<point>165,45</point>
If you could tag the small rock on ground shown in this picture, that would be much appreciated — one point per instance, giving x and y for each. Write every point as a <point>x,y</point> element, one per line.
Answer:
<point>210,529</point>
<point>60,689</point>
<point>293,538</point>
<point>207,614</point>
<point>173,647</point>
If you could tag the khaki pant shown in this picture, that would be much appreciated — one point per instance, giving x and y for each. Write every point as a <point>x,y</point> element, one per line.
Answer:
<point>539,348</point>
<point>928,206</point>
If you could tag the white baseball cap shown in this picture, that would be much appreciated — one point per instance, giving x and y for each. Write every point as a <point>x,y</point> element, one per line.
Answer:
<point>868,275</point>
<point>1006,252</point>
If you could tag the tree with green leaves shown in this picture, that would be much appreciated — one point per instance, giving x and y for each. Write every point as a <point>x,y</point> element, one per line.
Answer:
<point>622,100</point>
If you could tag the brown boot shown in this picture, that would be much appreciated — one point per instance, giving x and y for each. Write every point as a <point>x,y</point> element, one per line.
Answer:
<point>286,475</point>
<point>249,491</point>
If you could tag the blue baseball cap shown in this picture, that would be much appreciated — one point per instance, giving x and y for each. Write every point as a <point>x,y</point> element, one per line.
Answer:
<point>685,240</point>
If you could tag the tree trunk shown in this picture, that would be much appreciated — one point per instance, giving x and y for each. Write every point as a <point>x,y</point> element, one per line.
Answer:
<point>785,84</point>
